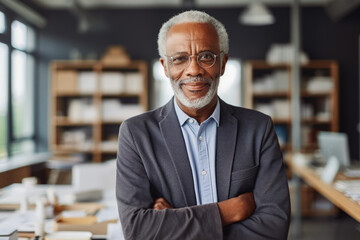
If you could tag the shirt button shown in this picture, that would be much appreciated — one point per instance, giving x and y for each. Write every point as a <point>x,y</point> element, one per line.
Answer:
<point>191,120</point>
<point>200,138</point>
<point>203,172</point>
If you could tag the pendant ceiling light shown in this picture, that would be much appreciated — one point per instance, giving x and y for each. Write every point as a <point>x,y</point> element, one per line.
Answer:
<point>256,14</point>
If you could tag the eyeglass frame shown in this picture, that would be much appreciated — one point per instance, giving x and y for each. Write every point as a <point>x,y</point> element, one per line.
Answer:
<point>197,60</point>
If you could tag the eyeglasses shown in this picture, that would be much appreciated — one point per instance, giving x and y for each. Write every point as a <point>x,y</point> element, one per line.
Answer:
<point>180,61</point>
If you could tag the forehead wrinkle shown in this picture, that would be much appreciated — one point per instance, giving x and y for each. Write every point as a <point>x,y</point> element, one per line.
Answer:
<point>191,32</point>
<point>193,37</point>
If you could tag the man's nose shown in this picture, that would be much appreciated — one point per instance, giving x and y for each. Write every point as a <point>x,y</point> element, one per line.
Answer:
<point>194,69</point>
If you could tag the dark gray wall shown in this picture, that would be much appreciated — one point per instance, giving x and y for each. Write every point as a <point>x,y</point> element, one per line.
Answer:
<point>137,30</point>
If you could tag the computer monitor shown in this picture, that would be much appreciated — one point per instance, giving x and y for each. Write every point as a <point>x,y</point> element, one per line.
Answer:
<point>334,144</point>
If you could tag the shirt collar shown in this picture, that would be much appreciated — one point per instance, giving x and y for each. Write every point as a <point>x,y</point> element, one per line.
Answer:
<point>183,117</point>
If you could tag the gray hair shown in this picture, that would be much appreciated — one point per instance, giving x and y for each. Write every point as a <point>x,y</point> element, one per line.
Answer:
<point>193,16</point>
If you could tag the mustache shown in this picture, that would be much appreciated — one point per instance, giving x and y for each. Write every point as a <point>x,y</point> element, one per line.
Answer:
<point>193,80</point>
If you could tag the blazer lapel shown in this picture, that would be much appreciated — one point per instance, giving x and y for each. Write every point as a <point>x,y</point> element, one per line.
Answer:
<point>175,144</point>
<point>225,150</point>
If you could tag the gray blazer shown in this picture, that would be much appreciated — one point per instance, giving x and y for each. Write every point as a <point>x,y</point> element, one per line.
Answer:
<point>152,162</point>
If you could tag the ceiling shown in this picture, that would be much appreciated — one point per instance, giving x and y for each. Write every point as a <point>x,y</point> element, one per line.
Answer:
<point>93,4</point>
<point>336,9</point>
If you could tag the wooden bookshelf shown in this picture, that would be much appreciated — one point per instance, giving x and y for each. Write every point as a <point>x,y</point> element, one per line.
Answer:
<point>323,103</point>
<point>319,109</point>
<point>66,87</point>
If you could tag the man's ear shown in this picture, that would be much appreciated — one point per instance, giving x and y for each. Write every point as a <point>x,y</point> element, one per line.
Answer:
<point>163,63</point>
<point>224,61</point>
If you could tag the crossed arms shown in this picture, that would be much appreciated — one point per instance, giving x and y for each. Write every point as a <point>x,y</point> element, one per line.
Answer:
<point>232,210</point>
<point>144,215</point>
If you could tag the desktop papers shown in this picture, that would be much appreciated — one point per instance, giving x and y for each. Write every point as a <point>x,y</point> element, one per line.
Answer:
<point>24,222</point>
<point>351,188</point>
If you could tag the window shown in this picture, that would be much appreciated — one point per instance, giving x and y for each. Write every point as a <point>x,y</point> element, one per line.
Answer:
<point>22,98</point>
<point>22,88</point>
<point>17,99</point>
<point>3,99</point>
<point>22,36</point>
<point>229,87</point>
<point>2,22</point>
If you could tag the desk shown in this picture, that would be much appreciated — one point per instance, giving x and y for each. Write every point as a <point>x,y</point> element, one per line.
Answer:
<point>13,193</point>
<point>309,176</point>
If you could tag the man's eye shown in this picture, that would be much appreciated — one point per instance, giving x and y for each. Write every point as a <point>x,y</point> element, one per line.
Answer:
<point>206,57</point>
<point>179,59</point>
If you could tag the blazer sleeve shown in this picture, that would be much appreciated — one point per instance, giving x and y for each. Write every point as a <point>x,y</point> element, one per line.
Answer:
<point>271,218</point>
<point>134,199</point>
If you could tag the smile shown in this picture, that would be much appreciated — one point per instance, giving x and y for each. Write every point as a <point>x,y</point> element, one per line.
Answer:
<point>195,86</point>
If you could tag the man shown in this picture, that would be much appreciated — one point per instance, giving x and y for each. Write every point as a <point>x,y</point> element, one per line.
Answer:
<point>198,168</point>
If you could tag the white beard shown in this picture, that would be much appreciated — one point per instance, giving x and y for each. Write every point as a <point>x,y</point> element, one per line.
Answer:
<point>196,103</point>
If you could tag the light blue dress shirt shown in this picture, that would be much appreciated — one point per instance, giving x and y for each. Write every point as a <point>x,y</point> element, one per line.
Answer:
<point>200,143</point>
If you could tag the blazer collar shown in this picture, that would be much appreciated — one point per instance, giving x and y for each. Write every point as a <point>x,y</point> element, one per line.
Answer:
<point>225,149</point>
<point>175,144</point>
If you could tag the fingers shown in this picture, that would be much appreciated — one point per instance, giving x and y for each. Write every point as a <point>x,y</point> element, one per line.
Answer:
<point>161,204</point>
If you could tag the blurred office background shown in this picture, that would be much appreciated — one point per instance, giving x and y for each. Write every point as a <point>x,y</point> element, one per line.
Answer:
<point>71,71</point>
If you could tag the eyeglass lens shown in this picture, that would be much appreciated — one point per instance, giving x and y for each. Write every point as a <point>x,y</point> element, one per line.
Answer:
<point>182,60</point>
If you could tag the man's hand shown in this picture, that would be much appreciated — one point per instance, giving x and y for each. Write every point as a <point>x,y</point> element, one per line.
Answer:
<point>161,204</point>
<point>236,209</point>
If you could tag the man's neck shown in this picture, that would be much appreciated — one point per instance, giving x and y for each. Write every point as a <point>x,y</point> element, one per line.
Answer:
<point>199,114</point>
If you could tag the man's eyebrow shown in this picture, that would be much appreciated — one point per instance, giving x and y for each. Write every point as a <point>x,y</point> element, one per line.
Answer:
<point>205,50</point>
<point>176,53</point>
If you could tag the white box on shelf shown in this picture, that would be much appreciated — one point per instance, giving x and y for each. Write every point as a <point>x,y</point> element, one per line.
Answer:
<point>111,110</point>
<point>87,82</point>
<point>81,110</point>
<point>73,137</point>
<point>134,83</point>
<point>75,110</point>
<point>112,82</point>
<point>77,139</point>
<point>284,53</point>
<point>319,84</point>
<point>281,109</point>
<point>90,113</point>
